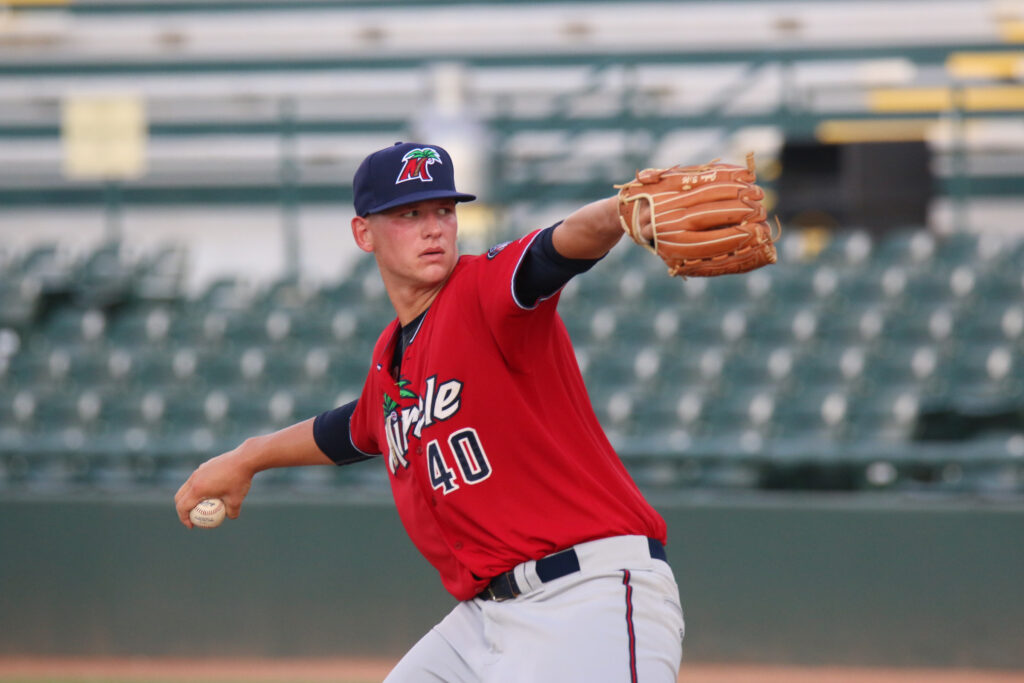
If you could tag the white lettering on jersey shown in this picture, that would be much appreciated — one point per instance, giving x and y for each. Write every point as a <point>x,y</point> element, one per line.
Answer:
<point>435,404</point>
<point>398,446</point>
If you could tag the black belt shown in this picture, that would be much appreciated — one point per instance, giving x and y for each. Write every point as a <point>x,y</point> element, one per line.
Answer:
<point>504,586</point>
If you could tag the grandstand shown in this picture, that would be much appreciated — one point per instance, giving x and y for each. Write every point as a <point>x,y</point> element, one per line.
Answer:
<point>136,340</point>
<point>900,367</point>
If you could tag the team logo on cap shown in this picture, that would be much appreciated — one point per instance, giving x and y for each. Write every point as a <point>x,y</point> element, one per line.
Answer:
<point>416,165</point>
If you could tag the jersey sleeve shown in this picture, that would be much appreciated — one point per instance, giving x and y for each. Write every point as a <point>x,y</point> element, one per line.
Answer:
<point>332,433</point>
<point>346,434</point>
<point>543,271</point>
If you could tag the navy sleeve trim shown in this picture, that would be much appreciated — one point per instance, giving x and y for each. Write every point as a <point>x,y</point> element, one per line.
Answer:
<point>543,271</point>
<point>333,437</point>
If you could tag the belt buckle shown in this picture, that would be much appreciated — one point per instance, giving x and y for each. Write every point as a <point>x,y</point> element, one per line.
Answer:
<point>510,583</point>
<point>491,595</point>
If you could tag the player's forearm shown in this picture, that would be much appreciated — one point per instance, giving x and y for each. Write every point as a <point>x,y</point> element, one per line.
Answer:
<point>229,475</point>
<point>590,231</point>
<point>292,446</point>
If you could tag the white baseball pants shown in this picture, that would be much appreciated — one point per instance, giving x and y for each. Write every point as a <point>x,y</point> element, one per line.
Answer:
<point>617,619</point>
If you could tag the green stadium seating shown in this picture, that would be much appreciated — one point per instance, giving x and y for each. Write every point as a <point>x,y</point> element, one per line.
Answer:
<point>739,382</point>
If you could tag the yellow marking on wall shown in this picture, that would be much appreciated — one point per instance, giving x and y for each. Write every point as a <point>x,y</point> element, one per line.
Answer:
<point>910,99</point>
<point>1012,31</point>
<point>996,65</point>
<point>34,3</point>
<point>975,98</point>
<point>843,131</point>
<point>104,136</point>
<point>992,99</point>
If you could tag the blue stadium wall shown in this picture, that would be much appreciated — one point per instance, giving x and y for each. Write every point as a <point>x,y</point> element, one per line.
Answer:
<point>767,579</point>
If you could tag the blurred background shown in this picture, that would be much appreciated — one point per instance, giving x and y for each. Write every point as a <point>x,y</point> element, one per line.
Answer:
<point>837,440</point>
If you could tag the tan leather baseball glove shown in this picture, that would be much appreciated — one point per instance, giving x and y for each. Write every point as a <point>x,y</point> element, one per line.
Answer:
<point>703,220</point>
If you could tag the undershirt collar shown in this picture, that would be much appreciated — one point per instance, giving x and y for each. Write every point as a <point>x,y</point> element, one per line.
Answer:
<point>406,333</point>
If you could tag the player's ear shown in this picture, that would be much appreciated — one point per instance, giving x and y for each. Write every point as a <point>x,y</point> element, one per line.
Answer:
<point>361,233</point>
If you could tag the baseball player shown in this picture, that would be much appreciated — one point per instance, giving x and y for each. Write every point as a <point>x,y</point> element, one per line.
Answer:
<point>500,472</point>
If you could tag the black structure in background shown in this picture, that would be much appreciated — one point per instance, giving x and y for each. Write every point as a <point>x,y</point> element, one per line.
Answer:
<point>875,186</point>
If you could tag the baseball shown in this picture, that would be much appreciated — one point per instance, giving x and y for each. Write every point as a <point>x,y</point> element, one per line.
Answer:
<point>208,514</point>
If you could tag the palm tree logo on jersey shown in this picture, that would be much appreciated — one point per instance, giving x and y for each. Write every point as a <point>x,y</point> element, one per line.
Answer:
<point>416,165</point>
<point>394,427</point>
<point>390,404</point>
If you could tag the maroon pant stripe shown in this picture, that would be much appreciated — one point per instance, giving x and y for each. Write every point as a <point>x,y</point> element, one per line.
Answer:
<point>629,626</point>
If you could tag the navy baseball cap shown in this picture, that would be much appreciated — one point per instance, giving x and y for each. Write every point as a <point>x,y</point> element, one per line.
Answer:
<point>404,173</point>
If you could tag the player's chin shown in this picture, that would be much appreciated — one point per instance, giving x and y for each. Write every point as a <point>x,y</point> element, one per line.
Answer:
<point>434,271</point>
<point>437,260</point>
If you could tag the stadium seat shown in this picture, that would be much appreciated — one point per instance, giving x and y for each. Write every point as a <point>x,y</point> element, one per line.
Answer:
<point>160,275</point>
<point>863,323</point>
<point>911,249</point>
<point>886,415</point>
<point>815,412</point>
<point>104,277</point>
<point>21,303</point>
<point>608,369</point>
<point>71,325</point>
<point>847,249</point>
<point>50,265</point>
<point>991,372</point>
<point>289,294</point>
<point>148,323</point>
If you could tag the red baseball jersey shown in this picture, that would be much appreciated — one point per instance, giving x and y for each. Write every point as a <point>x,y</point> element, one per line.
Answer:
<point>494,452</point>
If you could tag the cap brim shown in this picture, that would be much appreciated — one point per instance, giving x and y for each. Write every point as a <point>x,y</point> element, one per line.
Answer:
<point>420,197</point>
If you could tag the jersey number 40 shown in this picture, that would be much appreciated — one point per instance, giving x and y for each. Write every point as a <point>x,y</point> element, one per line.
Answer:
<point>469,457</point>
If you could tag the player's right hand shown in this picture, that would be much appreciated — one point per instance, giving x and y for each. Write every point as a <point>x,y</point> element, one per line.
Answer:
<point>226,477</point>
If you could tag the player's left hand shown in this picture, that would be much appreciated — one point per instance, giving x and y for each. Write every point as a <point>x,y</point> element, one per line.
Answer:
<point>701,220</point>
<point>645,227</point>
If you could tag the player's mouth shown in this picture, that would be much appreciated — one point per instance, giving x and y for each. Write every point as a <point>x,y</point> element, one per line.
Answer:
<point>432,252</point>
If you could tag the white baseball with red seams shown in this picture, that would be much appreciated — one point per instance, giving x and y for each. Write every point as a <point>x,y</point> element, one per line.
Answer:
<point>208,514</point>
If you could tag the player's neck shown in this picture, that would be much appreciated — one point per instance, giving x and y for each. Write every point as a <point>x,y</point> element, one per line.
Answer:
<point>409,303</point>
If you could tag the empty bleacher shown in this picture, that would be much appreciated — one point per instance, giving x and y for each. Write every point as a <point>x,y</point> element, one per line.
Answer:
<point>749,381</point>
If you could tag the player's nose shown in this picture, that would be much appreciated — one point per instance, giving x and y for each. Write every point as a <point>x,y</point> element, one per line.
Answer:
<point>430,225</point>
